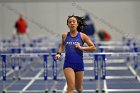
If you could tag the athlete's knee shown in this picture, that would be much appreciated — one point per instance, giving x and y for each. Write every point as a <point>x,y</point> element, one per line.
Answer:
<point>70,88</point>
<point>79,90</point>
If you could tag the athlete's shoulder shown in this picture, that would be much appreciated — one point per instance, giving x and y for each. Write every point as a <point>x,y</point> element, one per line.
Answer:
<point>64,35</point>
<point>83,34</point>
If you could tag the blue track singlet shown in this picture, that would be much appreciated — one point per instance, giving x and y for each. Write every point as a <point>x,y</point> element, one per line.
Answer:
<point>73,55</point>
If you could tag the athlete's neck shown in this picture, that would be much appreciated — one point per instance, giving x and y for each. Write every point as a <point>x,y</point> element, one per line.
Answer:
<point>73,33</point>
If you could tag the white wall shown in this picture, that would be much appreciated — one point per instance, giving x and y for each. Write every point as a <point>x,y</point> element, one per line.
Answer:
<point>122,16</point>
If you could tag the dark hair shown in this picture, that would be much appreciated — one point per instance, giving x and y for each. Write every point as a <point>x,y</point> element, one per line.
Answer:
<point>81,22</point>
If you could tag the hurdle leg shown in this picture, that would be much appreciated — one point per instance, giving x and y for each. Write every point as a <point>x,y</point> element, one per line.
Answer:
<point>97,73</point>
<point>19,68</point>
<point>135,58</point>
<point>4,67</point>
<point>3,72</point>
<point>103,68</point>
<point>54,67</point>
<point>13,67</point>
<point>45,59</point>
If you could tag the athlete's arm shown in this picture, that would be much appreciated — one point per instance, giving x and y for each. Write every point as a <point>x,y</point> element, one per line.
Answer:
<point>87,40</point>
<point>61,48</point>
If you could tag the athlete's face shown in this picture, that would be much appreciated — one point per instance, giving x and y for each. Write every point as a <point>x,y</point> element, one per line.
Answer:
<point>72,23</point>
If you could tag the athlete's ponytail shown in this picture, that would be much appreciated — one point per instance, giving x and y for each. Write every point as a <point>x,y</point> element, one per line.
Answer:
<point>81,22</point>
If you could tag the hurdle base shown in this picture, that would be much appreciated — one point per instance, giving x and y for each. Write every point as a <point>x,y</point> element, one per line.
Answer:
<point>55,90</point>
<point>14,78</point>
<point>103,91</point>
<point>4,91</point>
<point>19,78</point>
<point>46,91</point>
<point>96,91</point>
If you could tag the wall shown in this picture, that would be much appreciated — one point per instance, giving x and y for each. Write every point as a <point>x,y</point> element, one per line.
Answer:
<point>49,18</point>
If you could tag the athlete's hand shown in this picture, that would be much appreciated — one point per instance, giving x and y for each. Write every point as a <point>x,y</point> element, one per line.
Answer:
<point>57,56</point>
<point>78,46</point>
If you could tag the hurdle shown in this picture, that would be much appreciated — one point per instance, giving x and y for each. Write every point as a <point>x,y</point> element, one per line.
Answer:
<point>100,68</point>
<point>4,56</point>
<point>96,56</point>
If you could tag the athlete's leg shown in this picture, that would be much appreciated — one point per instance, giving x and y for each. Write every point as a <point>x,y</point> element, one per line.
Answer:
<point>70,77</point>
<point>79,81</point>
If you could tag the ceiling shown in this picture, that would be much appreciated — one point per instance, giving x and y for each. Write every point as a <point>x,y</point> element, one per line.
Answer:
<point>61,0</point>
